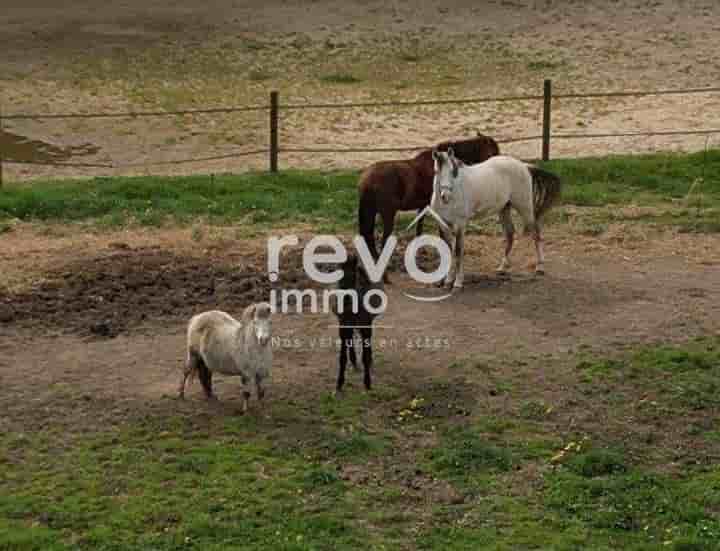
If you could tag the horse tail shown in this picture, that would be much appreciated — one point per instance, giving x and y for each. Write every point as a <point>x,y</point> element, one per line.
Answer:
<point>546,190</point>
<point>367,212</point>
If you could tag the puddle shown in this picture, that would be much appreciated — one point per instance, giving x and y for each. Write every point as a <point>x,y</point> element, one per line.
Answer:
<point>20,148</point>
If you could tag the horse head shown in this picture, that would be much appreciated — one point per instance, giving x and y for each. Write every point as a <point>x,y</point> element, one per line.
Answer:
<point>447,170</point>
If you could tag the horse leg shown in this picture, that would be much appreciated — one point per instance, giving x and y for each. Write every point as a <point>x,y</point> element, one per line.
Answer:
<point>366,334</point>
<point>191,366</point>
<point>509,230</point>
<point>345,335</point>
<point>367,213</point>
<point>259,388</point>
<point>419,225</point>
<point>351,353</point>
<point>450,277</point>
<point>388,218</point>
<point>459,256</point>
<point>534,228</point>
<point>205,376</point>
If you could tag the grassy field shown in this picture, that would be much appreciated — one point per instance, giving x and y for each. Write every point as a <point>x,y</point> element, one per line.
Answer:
<point>500,482</point>
<point>685,188</point>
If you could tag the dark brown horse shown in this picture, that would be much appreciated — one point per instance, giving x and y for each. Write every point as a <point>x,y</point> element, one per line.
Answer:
<point>389,186</point>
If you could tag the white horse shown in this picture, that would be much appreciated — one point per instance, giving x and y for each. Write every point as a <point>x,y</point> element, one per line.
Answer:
<point>494,186</point>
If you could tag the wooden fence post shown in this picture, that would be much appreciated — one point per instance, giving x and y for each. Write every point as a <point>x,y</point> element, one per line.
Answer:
<point>273,131</point>
<point>547,100</point>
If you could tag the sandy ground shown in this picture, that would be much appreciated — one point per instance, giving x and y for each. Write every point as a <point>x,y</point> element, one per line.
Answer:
<point>155,55</point>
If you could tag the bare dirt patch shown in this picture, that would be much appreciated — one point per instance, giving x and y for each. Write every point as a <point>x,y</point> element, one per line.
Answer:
<point>598,295</point>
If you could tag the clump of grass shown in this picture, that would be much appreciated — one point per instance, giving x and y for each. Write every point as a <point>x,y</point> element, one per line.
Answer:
<point>197,233</point>
<point>259,75</point>
<point>409,57</point>
<point>354,445</point>
<point>544,65</point>
<point>534,410</point>
<point>699,226</point>
<point>340,78</point>
<point>321,476</point>
<point>593,229</point>
<point>596,462</point>
<point>252,45</point>
<point>464,452</point>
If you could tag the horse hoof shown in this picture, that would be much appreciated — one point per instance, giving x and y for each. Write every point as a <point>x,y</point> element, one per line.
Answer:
<point>539,271</point>
<point>338,394</point>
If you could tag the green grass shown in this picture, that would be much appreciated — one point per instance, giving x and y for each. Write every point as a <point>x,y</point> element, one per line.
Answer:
<point>681,376</point>
<point>638,506</point>
<point>328,200</point>
<point>187,480</point>
<point>624,179</point>
<point>139,491</point>
<point>465,452</point>
<point>260,199</point>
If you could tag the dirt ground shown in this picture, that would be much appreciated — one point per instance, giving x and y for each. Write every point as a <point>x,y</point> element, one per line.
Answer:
<point>93,326</point>
<point>155,55</point>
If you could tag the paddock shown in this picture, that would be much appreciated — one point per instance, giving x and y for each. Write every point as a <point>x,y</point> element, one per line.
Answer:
<point>577,410</point>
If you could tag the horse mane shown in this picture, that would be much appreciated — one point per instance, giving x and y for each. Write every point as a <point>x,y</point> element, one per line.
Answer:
<point>471,151</point>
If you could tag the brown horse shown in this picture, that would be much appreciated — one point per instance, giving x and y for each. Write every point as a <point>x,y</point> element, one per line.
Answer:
<point>389,186</point>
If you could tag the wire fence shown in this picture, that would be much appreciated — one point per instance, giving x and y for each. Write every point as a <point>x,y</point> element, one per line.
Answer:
<point>274,149</point>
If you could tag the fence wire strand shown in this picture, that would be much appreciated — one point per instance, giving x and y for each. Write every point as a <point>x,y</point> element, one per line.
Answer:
<point>193,160</point>
<point>140,164</point>
<point>639,133</point>
<point>365,149</point>
<point>135,114</point>
<point>50,163</point>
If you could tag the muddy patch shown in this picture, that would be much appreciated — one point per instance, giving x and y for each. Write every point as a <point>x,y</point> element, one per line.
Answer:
<point>15,147</point>
<point>123,288</point>
<point>115,292</point>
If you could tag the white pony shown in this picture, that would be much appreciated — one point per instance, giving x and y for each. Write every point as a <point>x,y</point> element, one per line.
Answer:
<point>218,343</point>
<point>494,186</point>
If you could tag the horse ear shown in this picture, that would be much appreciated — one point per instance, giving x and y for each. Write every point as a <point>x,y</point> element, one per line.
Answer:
<point>249,314</point>
<point>451,152</point>
<point>435,155</point>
